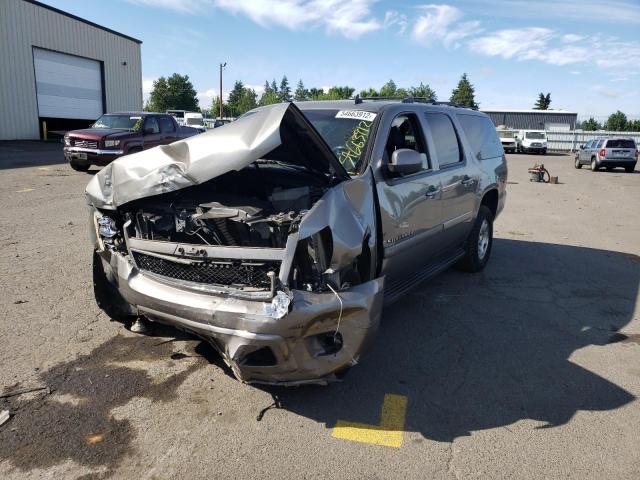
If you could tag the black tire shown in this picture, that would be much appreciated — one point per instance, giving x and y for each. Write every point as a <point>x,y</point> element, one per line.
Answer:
<point>630,169</point>
<point>107,296</point>
<point>577,164</point>
<point>474,260</point>
<point>594,165</point>
<point>79,167</point>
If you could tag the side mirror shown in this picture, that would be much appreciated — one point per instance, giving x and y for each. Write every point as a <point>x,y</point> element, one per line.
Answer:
<point>405,161</point>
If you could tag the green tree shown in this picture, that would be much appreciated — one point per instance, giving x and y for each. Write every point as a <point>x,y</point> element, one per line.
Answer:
<point>235,95</point>
<point>301,94</point>
<point>285,90</point>
<point>247,101</point>
<point>590,125</point>
<point>543,102</point>
<point>316,93</point>
<point>214,110</point>
<point>339,93</point>
<point>173,93</point>
<point>269,97</point>
<point>274,86</point>
<point>464,93</point>
<point>157,101</point>
<point>388,89</point>
<point>423,91</point>
<point>633,126</point>
<point>617,122</point>
<point>370,92</point>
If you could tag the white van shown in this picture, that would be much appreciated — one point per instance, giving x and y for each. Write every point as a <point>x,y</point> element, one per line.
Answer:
<point>194,120</point>
<point>532,141</point>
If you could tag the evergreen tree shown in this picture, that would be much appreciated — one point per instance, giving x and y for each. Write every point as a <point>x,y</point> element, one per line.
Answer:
<point>463,94</point>
<point>590,125</point>
<point>617,122</point>
<point>301,94</point>
<point>543,102</point>
<point>285,90</point>
<point>274,87</point>
<point>633,126</point>
<point>370,92</point>
<point>423,91</point>
<point>339,93</point>
<point>158,99</point>
<point>235,96</point>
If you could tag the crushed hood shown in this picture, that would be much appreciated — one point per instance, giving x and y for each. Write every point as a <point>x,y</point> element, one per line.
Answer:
<point>278,132</point>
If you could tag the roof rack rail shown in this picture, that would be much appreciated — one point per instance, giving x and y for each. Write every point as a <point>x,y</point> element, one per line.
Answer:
<point>358,99</point>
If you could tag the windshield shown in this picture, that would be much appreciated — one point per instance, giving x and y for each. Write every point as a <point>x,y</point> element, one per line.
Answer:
<point>194,121</point>
<point>119,122</point>
<point>504,134</point>
<point>346,132</point>
<point>536,135</point>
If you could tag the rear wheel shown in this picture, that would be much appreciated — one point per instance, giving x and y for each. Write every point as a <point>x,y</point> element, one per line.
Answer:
<point>79,167</point>
<point>578,165</point>
<point>594,165</point>
<point>478,248</point>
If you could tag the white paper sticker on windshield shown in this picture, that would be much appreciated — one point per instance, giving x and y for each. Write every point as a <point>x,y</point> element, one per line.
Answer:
<point>135,118</point>
<point>356,115</point>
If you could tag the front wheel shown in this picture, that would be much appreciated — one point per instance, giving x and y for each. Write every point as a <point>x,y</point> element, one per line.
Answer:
<point>79,167</point>
<point>578,165</point>
<point>479,243</point>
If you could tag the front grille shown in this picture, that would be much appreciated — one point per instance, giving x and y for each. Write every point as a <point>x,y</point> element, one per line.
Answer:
<point>231,273</point>
<point>85,143</point>
<point>536,144</point>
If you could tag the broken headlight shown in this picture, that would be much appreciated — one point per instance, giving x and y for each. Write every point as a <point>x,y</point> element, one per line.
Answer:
<point>108,232</point>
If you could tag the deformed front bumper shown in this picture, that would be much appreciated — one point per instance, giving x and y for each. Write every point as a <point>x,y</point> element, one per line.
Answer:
<point>300,347</point>
<point>94,156</point>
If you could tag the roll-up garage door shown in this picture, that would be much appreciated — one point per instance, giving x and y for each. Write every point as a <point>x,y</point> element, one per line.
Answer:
<point>67,86</point>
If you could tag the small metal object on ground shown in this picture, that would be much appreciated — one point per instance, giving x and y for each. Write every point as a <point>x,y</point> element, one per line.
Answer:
<point>5,415</point>
<point>141,326</point>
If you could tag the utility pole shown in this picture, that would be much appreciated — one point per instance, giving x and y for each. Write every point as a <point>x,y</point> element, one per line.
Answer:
<point>222,65</point>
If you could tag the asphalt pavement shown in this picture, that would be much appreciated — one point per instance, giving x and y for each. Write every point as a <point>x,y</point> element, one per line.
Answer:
<point>530,369</point>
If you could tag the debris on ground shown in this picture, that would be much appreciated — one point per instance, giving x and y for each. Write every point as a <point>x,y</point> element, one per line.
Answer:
<point>23,391</point>
<point>276,404</point>
<point>5,415</point>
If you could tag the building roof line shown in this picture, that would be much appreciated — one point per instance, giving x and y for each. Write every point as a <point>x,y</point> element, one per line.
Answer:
<point>80,19</point>
<point>511,110</point>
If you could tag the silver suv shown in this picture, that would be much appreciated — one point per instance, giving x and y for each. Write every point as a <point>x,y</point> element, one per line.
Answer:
<point>279,237</point>
<point>608,153</point>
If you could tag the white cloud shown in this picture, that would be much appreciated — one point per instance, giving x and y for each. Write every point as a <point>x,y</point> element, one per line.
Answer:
<point>147,85</point>
<point>440,23</point>
<point>396,20</point>
<point>350,19</point>
<point>575,72</point>
<point>549,46</point>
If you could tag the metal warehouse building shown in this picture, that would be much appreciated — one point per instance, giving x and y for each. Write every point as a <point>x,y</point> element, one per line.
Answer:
<point>534,119</point>
<point>61,71</point>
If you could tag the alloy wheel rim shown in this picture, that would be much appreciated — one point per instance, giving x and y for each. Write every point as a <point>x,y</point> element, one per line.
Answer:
<point>483,240</point>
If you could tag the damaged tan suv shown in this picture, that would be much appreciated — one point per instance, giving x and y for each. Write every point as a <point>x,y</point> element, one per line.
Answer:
<point>278,237</point>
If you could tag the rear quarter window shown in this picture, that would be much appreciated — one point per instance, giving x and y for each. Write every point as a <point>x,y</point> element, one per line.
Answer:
<point>482,136</point>
<point>621,143</point>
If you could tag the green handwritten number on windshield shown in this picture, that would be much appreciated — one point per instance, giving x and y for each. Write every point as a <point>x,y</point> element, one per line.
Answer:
<point>352,151</point>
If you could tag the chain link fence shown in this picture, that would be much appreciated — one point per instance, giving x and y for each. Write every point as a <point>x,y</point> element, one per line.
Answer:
<point>570,140</point>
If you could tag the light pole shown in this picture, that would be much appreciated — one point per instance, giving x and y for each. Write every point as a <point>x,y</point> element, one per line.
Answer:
<point>222,65</point>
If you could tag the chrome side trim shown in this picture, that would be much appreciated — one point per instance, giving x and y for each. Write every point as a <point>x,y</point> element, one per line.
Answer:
<point>408,242</point>
<point>459,219</point>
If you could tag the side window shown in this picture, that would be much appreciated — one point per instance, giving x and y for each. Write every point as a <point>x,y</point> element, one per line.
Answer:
<point>166,125</point>
<point>482,136</point>
<point>152,123</point>
<point>599,144</point>
<point>447,148</point>
<point>405,132</point>
<point>588,144</point>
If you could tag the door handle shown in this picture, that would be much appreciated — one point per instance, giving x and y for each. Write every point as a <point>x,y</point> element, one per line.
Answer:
<point>467,180</point>
<point>432,192</point>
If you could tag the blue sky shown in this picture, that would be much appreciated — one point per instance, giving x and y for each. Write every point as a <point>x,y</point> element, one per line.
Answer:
<point>586,53</point>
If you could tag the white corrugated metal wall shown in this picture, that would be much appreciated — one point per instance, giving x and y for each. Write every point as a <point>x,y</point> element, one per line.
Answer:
<point>24,25</point>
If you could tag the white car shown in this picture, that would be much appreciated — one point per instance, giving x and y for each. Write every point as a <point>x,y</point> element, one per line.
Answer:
<point>195,120</point>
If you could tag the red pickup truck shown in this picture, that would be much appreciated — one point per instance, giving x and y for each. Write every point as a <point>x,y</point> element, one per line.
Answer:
<point>116,134</point>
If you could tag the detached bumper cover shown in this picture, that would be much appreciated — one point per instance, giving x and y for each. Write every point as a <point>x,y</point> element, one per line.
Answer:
<point>298,348</point>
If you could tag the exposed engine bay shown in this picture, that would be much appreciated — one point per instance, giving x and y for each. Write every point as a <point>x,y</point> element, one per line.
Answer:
<point>258,207</point>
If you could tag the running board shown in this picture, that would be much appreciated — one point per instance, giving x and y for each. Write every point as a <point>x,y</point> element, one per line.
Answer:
<point>396,290</point>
